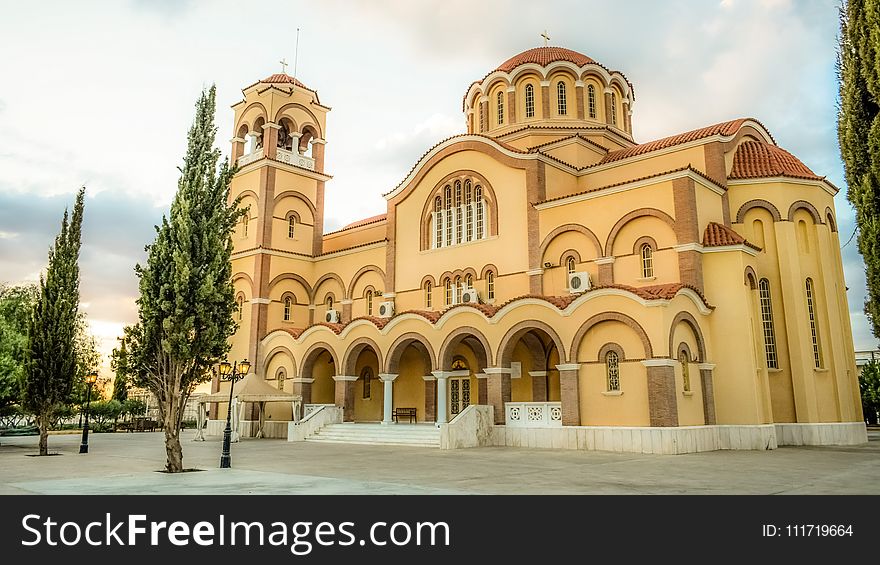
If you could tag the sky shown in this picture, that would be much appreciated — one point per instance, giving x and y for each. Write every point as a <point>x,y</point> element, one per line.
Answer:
<point>101,94</point>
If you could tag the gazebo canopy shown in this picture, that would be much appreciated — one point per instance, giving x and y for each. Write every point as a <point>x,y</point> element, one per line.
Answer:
<point>252,389</point>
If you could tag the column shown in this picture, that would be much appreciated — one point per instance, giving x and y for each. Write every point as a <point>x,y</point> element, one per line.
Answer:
<point>430,398</point>
<point>579,98</point>
<point>690,258</point>
<point>606,270</point>
<point>270,140</point>
<point>346,310</point>
<point>482,388</point>
<point>498,390</point>
<point>442,389</point>
<point>388,379</point>
<point>708,387</point>
<point>545,99</point>
<point>303,387</point>
<point>608,108</point>
<point>539,386</point>
<point>237,148</point>
<point>511,106</point>
<point>294,141</point>
<point>569,389</point>
<point>662,402</point>
<point>345,396</point>
<point>255,140</point>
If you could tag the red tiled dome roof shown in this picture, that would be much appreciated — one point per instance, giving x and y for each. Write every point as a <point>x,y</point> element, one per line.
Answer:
<point>755,159</point>
<point>719,235</point>
<point>544,56</point>
<point>283,78</point>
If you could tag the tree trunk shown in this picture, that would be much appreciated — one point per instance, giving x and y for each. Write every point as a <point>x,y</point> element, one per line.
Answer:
<point>170,423</point>
<point>43,422</point>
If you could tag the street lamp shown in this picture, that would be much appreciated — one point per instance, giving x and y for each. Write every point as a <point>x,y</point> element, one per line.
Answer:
<point>91,378</point>
<point>230,373</point>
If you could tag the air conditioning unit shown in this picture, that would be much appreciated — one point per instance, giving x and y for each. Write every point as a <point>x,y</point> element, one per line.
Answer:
<point>332,317</point>
<point>386,309</point>
<point>579,282</point>
<point>470,295</point>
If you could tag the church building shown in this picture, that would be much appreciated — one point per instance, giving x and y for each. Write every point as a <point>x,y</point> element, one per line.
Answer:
<point>545,280</point>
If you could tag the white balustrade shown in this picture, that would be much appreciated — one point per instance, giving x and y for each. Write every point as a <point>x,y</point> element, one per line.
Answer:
<point>295,159</point>
<point>250,157</point>
<point>533,414</point>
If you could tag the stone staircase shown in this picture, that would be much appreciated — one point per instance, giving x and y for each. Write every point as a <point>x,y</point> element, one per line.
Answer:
<point>414,435</point>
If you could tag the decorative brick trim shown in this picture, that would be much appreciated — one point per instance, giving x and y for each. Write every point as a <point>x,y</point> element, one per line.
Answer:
<point>454,338</point>
<point>461,175</point>
<point>569,383</point>
<point>611,346</point>
<point>750,278</point>
<point>362,271</point>
<point>630,216</point>
<point>829,219</point>
<point>637,246</point>
<point>662,401</point>
<point>708,389</point>
<point>498,391</point>
<point>804,205</point>
<point>344,396</point>
<point>312,353</point>
<point>758,203</point>
<point>395,352</point>
<point>688,318</point>
<point>430,400</point>
<point>355,348</point>
<point>539,386</point>
<point>610,317</point>
<point>518,331</point>
<point>579,228</point>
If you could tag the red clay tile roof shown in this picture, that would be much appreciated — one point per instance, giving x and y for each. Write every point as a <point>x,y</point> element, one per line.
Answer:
<point>718,235</point>
<point>283,78</point>
<point>365,221</point>
<point>544,56</point>
<point>760,159</point>
<point>724,128</point>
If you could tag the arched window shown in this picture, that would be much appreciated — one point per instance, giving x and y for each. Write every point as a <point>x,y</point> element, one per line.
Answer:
<point>329,303</point>
<point>480,205</point>
<point>814,324</point>
<point>240,303</point>
<point>288,303</point>
<point>490,285</point>
<point>613,109</point>
<point>457,290</point>
<point>561,105</point>
<point>367,378</point>
<point>280,378</point>
<point>647,261</point>
<point>570,265</point>
<point>244,225</point>
<point>458,215</point>
<point>428,291</point>
<point>469,281</point>
<point>612,371</point>
<point>448,284</point>
<point>500,104</point>
<point>447,200</point>
<point>291,226</point>
<point>469,211</point>
<point>767,324</point>
<point>530,101</point>
<point>438,222</point>
<point>591,100</point>
<point>369,298</point>
<point>685,370</point>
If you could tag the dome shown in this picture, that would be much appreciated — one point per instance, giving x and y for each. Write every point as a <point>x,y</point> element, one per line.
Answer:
<point>543,56</point>
<point>283,78</point>
<point>755,159</point>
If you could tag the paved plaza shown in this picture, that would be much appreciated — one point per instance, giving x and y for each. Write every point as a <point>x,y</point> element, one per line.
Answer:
<point>127,463</point>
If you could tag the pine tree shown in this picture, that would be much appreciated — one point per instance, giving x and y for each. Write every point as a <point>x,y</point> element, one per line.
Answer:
<point>50,356</point>
<point>186,304</point>
<point>858,125</point>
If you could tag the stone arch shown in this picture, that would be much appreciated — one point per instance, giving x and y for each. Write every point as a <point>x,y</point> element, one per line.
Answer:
<point>279,350</point>
<point>627,218</point>
<point>829,219</point>
<point>295,277</point>
<point>263,114</point>
<point>476,179</point>
<point>298,195</point>
<point>487,268</point>
<point>325,278</point>
<point>312,353</point>
<point>460,335</point>
<point>758,203</point>
<point>750,278</point>
<point>611,317</point>
<point>428,279</point>
<point>637,246</point>
<point>563,259</point>
<point>349,359</point>
<point>567,228</point>
<point>314,123</point>
<point>610,346</point>
<point>395,352</point>
<point>683,347</point>
<point>246,277</point>
<point>804,205</point>
<point>248,194</point>
<point>688,319</point>
<point>362,271</point>
<point>518,331</point>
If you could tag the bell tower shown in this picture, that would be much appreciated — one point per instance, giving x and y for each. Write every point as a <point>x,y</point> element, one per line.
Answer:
<point>279,150</point>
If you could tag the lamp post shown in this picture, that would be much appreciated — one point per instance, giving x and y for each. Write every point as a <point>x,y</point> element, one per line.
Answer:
<point>91,378</point>
<point>230,373</point>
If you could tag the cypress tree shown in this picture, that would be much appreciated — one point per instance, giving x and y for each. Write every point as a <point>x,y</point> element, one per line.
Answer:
<point>858,125</point>
<point>50,356</point>
<point>186,304</point>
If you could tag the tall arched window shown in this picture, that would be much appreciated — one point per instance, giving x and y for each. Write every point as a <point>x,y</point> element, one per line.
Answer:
<point>570,265</point>
<point>457,290</point>
<point>240,303</point>
<point>288,303</point>
<point>613,109</point>
<point>458,215</point>
<point>500,104</point>
<point>280,378</point>
<point>448,284</point>
<point>490,285</point>
<point>561,105</point>
<point>530,101</point>
<point>367,379</point>
<point>291,226</point>
<point>647,261</point>
<point>814,324</point>
<point>767,324</point>
<point>244,225</point>
<point>428,291</point>
<point>591,100</point>
<point>469,281</point>
<point>369,299</point>
<point>438,222</point>
<point>329,303</point>
<point>469,210</point>
<point>685,370</point>
<point>612,371</point>
<point>447,201</point>
<point>480,205</point>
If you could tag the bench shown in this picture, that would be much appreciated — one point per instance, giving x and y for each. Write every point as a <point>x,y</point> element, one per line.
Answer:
<point>409,413</point>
